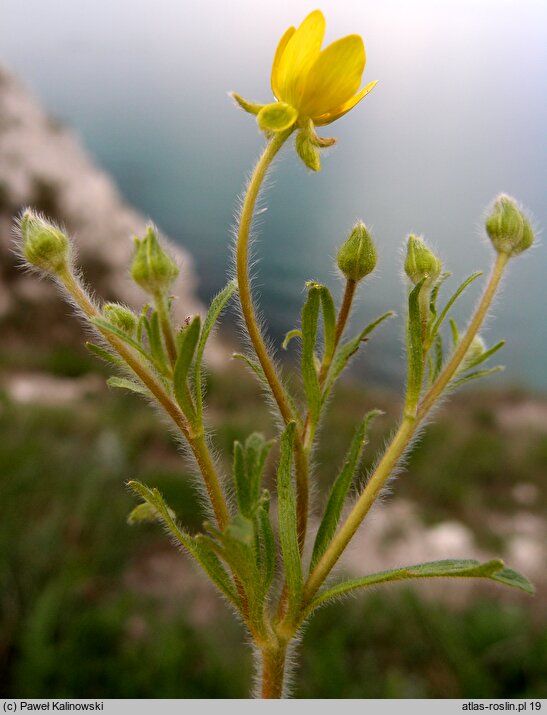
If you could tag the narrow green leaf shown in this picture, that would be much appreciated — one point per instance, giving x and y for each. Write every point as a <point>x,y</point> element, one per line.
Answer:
<point>155,342</point>
<point>415,346</point>
<point>267,541</point>
<point>435,293</point>
<point>107,327</point>
<point>451,568</point>
<point>124,383</point>
<point>143,513</point>
<point>240,479</point>
<point>466,283</point>
<point>340,489</point>
<point>346,351</point>
<point>255,366</point>
<point>296,333</point>
<point>310,314</point>
<point>216,307</point>
<point>455,333</point>
<point>142,320</point>
<point>437,361</point>
<point>329,320</point>
<point>103,354</point>
<point>195,547</point>
<point>248,467</point>
<point>288,530</point>
<point>476,375</point>
<point>486,355</point>
<point>187,349</point>
<point>256,453</point>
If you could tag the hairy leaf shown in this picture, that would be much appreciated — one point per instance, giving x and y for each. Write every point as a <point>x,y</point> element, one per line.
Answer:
<point>187,348</point>
<point>340,488</point>
<point>288,530</point>
<point>450,568</point>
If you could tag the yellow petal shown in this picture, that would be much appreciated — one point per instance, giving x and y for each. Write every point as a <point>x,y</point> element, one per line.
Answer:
<point>334,77</point>
<point>278,54</point>
<point>344,108</point>
<point>299,55</point>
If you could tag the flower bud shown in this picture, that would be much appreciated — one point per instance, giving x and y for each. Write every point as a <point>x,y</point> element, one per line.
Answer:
<point>357,257</point>
<point>421,263</point>
<point>152,268</point>
<point>44,244</point>
<point>121,317</point>
<point>508,228</point>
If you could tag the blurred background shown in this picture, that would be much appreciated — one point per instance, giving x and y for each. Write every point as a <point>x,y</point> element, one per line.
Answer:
<point>112,113</point>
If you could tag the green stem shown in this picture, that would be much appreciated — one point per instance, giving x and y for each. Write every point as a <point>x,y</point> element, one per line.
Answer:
<point>463,346</point>
<point>197,442</point>
<point>273,670</point>
<point>249,315</point>
<point>401,440</point>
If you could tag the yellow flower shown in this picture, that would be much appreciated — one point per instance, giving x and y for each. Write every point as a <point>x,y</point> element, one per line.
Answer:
<point>311,84</point>
<point>319,85</point>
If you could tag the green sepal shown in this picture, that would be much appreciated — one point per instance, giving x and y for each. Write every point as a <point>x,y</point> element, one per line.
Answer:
<point>276,117</point>
<point>347,350</point>
<point>124,383</point>
<point>145,512</point>
<point>307,150</point>
<point>288,527</point>
<point>216,307</point>
<point>450,568</point>
<point>310,314</point>
<point>415,347</point>
<point>340,489</point>
<point>103,354</point>
<point>187,348</point>
<point>193,545</point>
<point>250,107</point>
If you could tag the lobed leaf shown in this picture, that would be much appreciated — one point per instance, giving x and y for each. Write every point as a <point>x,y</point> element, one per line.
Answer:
<point>206,558</point>
<point>450,568</point>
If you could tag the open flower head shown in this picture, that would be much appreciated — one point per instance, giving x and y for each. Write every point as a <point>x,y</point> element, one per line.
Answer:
<point>312,87</point>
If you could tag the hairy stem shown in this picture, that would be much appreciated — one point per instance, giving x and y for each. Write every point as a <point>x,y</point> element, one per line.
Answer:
<point>401,440</point>
<point>273,670</point>
<point>249,315</point>
<point>463,346</point>
<point>197,442</point>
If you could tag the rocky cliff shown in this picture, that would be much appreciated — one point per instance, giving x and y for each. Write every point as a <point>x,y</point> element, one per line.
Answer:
<point>43,165</point>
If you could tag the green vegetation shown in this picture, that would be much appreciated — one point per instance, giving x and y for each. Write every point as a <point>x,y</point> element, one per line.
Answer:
<point>93,607</point>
